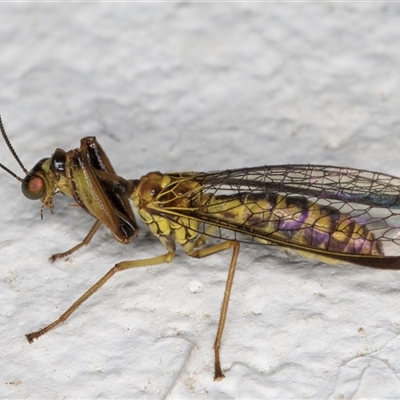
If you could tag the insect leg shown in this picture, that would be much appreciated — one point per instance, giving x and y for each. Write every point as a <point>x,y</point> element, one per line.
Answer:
<point>84,242</point>
<point>235,246</point>
<point>201,241</point>
<point>121,266</point>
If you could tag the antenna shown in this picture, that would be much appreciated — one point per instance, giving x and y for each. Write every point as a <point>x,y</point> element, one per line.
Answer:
<point>9,145</point>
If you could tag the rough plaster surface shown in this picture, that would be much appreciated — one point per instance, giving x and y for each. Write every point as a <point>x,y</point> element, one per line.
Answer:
<point>195,86</point>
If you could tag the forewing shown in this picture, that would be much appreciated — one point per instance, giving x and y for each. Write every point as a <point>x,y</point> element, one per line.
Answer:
<point>370,199</point>
<point>346,184</point>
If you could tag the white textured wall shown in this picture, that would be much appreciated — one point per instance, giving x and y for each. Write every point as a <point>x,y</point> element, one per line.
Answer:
<point>188,86</point>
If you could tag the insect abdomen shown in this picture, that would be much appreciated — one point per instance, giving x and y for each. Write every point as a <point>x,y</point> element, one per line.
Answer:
<point>298,220</point>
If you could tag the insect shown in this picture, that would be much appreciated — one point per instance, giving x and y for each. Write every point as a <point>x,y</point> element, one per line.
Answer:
<point>336,214</point>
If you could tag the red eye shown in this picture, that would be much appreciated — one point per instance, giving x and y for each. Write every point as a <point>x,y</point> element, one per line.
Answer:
<point>33,187</point>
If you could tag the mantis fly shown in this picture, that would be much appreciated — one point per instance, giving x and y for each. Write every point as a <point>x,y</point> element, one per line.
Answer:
<point>336,214</point>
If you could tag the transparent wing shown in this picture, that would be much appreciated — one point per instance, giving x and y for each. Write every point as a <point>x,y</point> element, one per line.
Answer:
<point>343,213</point>
<point>346,184</point>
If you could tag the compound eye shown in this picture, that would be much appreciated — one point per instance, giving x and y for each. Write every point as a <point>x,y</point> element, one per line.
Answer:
<point>33,187</point>
<point>58,161</point>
